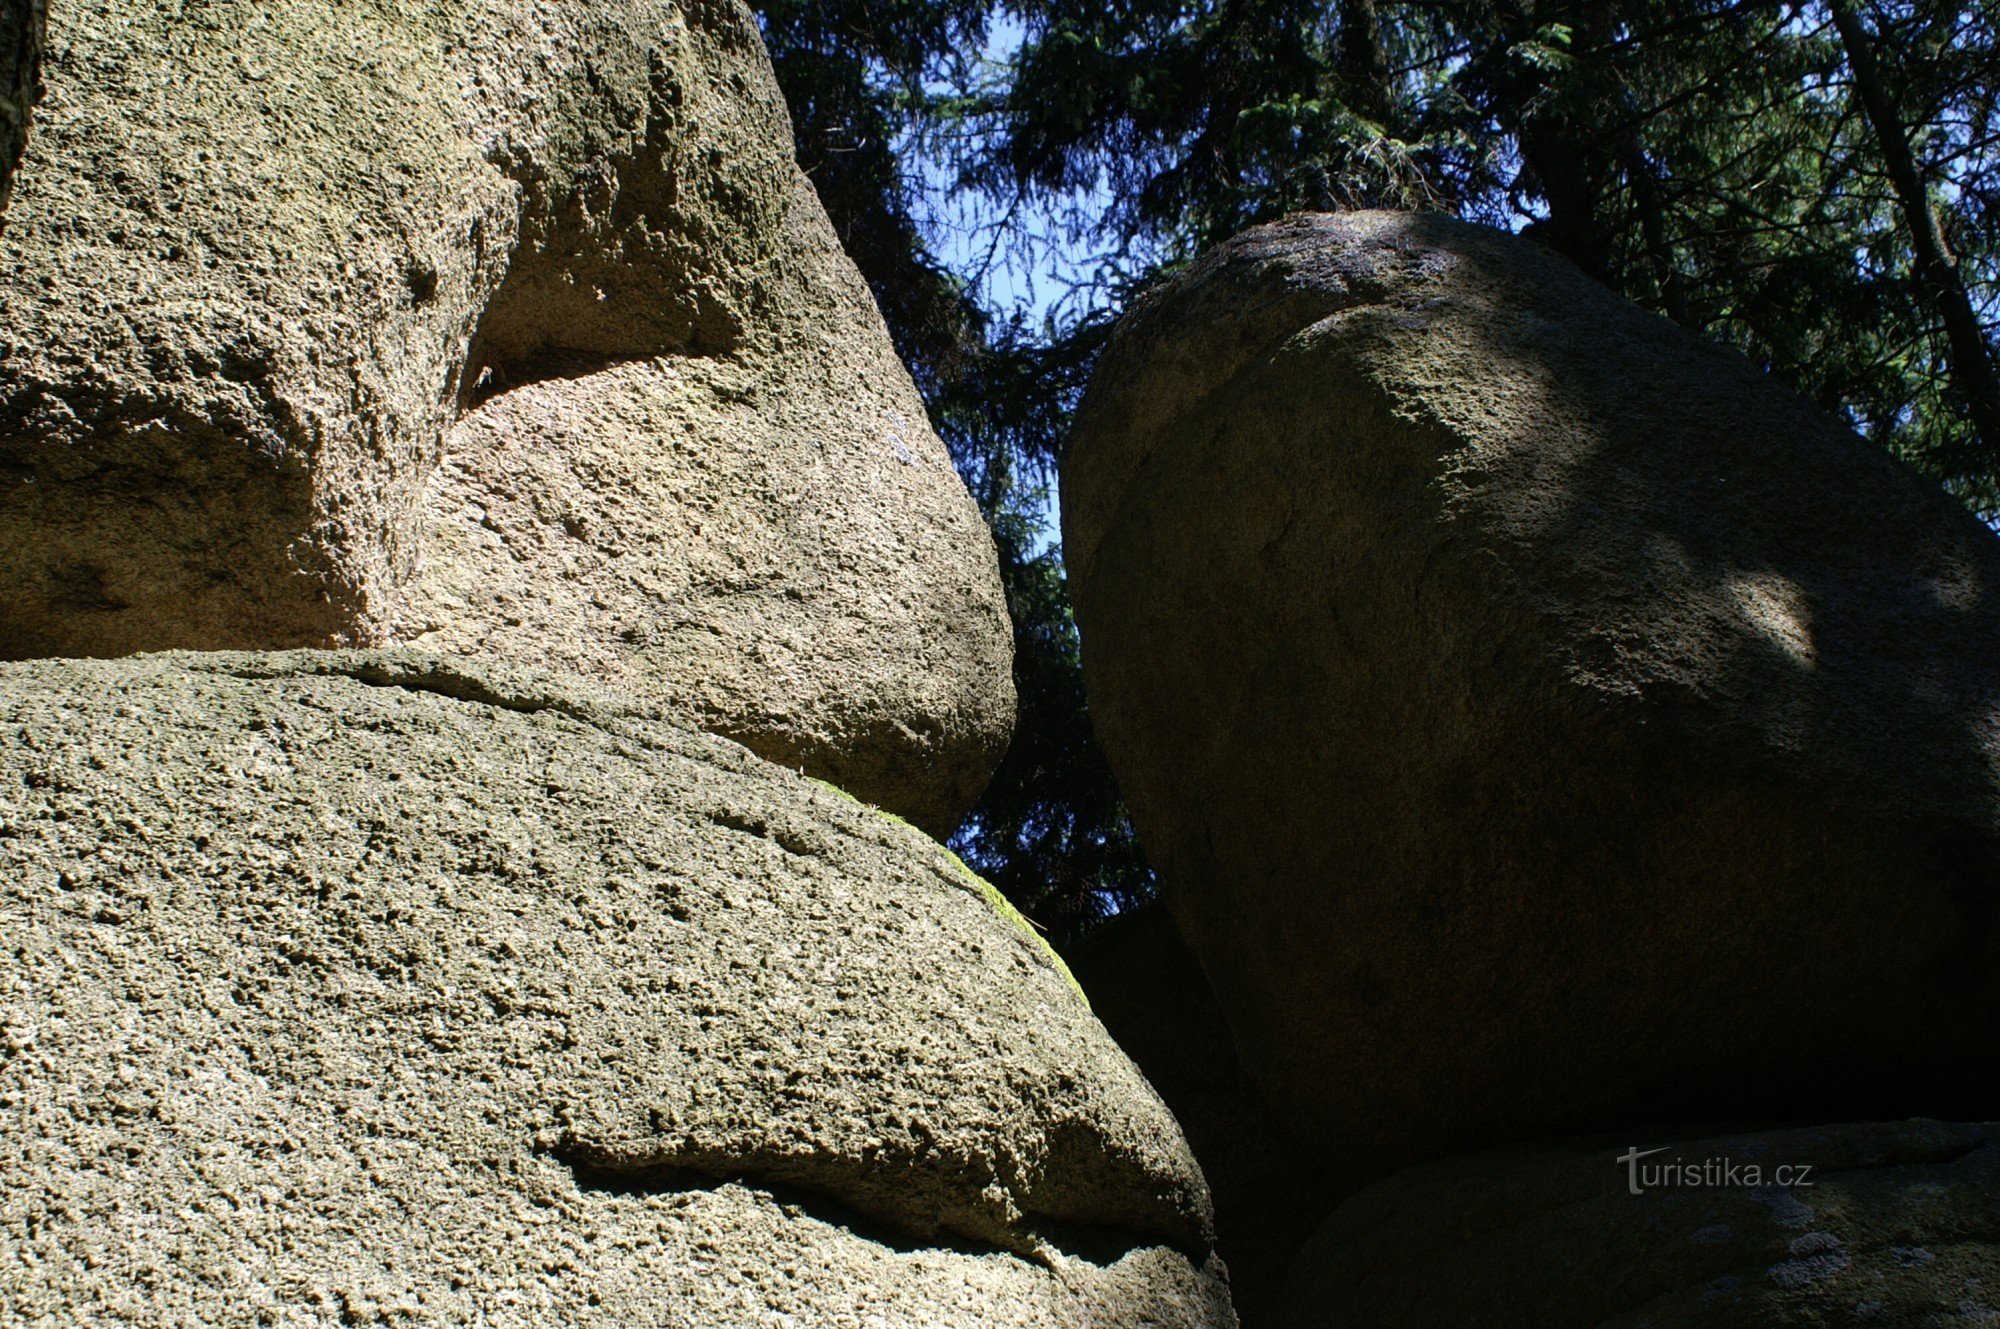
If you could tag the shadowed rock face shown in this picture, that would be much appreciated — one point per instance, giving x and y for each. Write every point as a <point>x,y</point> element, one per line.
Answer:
<point>1897,1224</point>
<point>508,328</point>
<point>22,23</point>
<point>344,982</point>
<point>1269,1195</point>
<point>1537,717</point>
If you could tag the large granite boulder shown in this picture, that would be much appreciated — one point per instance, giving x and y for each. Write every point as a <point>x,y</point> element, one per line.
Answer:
<point>1878,1224</point>
<point>361,988</point>
<point>509,327</point>
<point>773,539</point>
<point>1537,716</point>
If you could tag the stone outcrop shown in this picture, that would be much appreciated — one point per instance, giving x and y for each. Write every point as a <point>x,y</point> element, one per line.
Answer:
<point>509,328</point>
<point>368,988</point>
<point>1269,1194</point>
<point>458,967</point>
<point>774,538</point>
<point>1538,717</point>
<point>1892,1224</point>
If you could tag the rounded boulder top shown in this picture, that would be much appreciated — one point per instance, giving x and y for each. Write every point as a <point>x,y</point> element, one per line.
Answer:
<point>508,329</point>
<point>348,983</point>
<point>1538,715</point>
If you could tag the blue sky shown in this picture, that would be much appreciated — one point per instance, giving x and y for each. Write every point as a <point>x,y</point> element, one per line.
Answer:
<point>1022,258</point>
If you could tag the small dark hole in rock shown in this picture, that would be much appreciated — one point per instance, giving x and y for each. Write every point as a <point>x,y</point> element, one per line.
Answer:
<point>423,281</point>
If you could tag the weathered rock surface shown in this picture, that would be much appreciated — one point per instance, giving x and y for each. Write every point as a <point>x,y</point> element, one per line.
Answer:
<point>1537,716</point>
<point>363,988</point>
<point>22,23</point>
<point>1269,1194</point>
<point>1898,1225</point>
<point>261,261</point>
<point>773,539</point>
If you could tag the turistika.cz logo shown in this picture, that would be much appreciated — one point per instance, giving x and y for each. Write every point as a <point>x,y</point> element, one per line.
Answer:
<point>1706,1173</point>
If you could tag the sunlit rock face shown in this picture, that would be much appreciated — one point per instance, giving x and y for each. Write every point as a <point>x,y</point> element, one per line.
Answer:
<point>1538,716</point>
<point>507,328</point>
<point>351,987</point>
